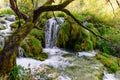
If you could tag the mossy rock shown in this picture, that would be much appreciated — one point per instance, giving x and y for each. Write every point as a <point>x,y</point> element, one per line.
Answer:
<point>68,55</point>
<point>73,36</point>
<point>35,45</point>
<point>39,34</point>
<point>2,27</point>
<point>42,56</point>
<point>2,22</point>
<point>77,47</point>
<point>33,49</point>
<point>108,62</point>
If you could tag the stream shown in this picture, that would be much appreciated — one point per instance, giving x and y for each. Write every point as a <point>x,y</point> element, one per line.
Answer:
<point>75,66</point>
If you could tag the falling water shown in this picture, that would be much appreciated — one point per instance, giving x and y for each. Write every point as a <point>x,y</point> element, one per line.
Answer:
<point>51,31</point>
<point>2,41</point>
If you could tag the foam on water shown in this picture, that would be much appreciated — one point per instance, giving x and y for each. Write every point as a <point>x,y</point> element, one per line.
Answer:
<point>90,54</point>
<point>108,76</point>
<point>55,59</point>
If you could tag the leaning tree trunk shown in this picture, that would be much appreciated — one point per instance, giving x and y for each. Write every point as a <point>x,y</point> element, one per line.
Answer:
<point>8,54</point>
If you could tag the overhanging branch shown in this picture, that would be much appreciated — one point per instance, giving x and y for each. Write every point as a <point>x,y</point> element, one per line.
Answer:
<point>50,8</point>
<point>78,22</point>
<point>14,7</point>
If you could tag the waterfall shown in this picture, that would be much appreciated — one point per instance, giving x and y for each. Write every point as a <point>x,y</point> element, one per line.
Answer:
<point>20,52</point>
<point>2,43</point>
<point>51,31</point>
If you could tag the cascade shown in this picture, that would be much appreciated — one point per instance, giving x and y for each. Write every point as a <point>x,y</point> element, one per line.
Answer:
<point>7,30</point>
<point>20,52</point>
<point>2,41</point>
<point>51,31</point>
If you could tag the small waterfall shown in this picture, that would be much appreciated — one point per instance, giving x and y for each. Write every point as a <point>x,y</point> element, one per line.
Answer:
<point>51,31</point>
<point>20,52</point>
<point>2,42</point>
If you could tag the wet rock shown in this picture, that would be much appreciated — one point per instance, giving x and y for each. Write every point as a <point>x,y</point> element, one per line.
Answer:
<point>10,18</point>
<point>2,27</point>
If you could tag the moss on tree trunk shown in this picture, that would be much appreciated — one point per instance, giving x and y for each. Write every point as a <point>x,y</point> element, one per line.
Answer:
<point>8,54</point>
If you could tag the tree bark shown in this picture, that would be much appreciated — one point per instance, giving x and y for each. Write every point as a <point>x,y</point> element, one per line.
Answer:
<point>8,54</point>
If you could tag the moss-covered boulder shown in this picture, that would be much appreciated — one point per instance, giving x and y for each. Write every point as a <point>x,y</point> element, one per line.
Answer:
<point>2,27</point>
<point>33,48</point>
<point>75,37</point>
<point>108,62</point>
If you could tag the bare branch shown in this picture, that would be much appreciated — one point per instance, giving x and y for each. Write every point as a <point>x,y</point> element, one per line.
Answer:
<point>118,3</point>
<point>112,7</point>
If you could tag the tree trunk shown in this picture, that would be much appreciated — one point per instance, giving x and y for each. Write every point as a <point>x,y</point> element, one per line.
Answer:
<point>8,54</point>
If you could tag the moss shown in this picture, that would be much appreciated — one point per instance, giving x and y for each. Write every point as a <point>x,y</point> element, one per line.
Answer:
<point>1,48</point>
<point>39,34</point>
<point>59,14</point>
<point>42,56</point>
<point>108,63</point>
<point>67,55</point>
<point>75,37</point>
<point>32,47</point>
<point>35,46</point>
<point>15,25</point>
<point>77,47</point>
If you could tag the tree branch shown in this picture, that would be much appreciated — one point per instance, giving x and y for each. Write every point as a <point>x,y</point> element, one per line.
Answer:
<point>50,8</point>
<point>14,7</point>
<point>118,3</point>
<point>78,22</point>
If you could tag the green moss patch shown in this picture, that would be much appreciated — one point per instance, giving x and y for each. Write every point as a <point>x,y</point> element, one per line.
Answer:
<point>108,62</point>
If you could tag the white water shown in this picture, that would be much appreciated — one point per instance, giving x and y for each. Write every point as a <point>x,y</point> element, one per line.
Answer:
<point>55,59</point>
<point>51,31</point>
<point>7,30</point>
<point>108,76</point>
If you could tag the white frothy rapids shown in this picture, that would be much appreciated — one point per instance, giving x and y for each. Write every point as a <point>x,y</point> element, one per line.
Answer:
<point>108,76</point>
<point>7,30</point>
<point>55,59</point>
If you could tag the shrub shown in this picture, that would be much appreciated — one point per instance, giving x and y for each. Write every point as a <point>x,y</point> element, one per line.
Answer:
<point>5,11</point>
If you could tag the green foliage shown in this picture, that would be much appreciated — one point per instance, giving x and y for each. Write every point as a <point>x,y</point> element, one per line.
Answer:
<point>1,48</point>
<point>41,72</point>
<point>42,56</point>
<point>74,37</point>
<point>7,11</point>
<point>35,46</point>
<point>15,25</point>
<point>105,47</point>
<point>14,73</point>
<point>108,62</point>
<point>39,34</point>
<point>63,35</point>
